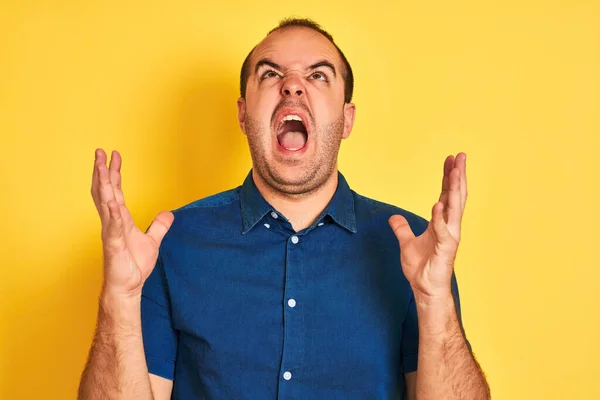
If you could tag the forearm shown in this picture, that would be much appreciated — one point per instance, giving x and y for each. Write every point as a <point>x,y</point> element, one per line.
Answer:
<point>116,367</point>
<point>446,368</point>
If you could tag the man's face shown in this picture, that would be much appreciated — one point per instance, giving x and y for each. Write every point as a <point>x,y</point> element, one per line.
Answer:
<point>294,113</point>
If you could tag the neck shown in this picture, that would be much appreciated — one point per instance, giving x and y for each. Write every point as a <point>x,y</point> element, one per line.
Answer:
<point>300,210</point>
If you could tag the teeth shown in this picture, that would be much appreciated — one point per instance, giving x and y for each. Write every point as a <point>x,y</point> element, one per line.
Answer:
<point>292,118</point>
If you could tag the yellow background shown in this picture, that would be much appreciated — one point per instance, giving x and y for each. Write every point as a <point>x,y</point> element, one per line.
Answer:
<point>515,85</point>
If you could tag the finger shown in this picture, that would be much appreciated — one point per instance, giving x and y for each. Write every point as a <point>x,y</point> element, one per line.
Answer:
<point>128,224</point>
<point>98,156</point>
<point>115,176</point>
<point>462,165</point>
<point>105,189</point>
<point>115,180</point>
<point>94,188</point>
<point>114,231</point>
<point>98,192</point>
<point>160,226</point>
<point>440,228</point>
<point>448,164</point>
<point>454,209</point>
<point>401,229</point>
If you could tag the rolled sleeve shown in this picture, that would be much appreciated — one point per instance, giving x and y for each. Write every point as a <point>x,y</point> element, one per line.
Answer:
<point>410,339</point>
<point>159,336</point>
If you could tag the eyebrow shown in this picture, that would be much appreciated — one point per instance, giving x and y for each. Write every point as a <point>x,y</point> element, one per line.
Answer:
<point>266,61</point>
<point>324,64</point>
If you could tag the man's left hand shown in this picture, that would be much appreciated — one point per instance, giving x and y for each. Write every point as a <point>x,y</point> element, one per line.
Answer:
<point>428,260</point>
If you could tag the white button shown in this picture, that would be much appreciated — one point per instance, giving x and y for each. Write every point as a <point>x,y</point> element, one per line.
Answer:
<point>320,224</point>
<point>287,375</point>
<point>274,214</point>
<point>294,239</point>
<point>292,303</point>
<point>267,225</point>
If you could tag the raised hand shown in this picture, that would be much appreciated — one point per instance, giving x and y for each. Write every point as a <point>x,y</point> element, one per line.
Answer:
<point>129,254</point>
<point>428,260</point>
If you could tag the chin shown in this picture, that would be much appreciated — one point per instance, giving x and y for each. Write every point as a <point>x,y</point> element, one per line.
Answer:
<point>296,180</point>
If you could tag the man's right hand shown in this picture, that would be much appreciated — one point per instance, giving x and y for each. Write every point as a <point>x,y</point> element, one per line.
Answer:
<point>116,366</point>
<point>129,254</point>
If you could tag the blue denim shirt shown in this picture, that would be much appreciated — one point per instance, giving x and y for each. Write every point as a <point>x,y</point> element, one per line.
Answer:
<point>240,306</point>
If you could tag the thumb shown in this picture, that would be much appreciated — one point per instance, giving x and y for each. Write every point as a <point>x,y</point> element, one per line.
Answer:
<point>160,226</point>
<point>401,229</point>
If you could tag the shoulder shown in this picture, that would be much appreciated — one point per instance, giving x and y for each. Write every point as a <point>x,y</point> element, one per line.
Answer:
<point>218,210</point>
<point>369,210</point>
<point>218,200</point>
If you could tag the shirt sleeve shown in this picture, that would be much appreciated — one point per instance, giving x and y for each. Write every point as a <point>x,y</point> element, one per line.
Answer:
<point>159,336</point>
<point>410,331</point>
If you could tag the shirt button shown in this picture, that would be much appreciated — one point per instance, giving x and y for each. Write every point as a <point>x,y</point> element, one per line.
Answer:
<point>292,303</point>
<point>267,226</point>
<point>320,224</point>
<point>287,375</point>
<point>274,214</point>
<point>295,239</point>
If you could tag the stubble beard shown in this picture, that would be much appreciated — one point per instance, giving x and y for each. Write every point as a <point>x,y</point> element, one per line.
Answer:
<point>314,173</point>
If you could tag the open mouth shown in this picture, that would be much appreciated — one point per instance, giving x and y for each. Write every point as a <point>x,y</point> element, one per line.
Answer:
<point>291,133</point>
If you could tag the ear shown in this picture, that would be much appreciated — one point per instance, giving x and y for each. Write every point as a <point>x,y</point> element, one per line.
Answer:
<point>349,113</point>
<point>241,104</point>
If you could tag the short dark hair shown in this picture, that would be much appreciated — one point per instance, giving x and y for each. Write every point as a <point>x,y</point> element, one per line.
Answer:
<point>304,23</point>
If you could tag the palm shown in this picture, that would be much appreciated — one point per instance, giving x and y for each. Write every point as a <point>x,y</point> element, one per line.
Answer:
<point>129,254</point>
<point>138,251</point>
<point>428,259</point>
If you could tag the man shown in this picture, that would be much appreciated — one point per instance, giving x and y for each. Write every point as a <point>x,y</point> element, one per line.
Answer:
<point>290,286</point>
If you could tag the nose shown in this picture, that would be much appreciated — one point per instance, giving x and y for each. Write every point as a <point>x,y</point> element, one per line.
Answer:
<point>292,86</point>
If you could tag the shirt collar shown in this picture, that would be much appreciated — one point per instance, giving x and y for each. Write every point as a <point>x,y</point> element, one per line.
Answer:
<point>253,204</point>
<point>341,206</point>
<point>254,207</point>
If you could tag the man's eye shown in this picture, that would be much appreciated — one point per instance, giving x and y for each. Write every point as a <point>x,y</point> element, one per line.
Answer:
<point>270,74</point>
<point>319,76</point>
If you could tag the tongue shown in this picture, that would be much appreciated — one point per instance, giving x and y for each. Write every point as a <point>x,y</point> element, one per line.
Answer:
<point>292,140</point>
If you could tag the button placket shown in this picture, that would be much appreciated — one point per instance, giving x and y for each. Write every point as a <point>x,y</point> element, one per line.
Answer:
<point>294,336</point>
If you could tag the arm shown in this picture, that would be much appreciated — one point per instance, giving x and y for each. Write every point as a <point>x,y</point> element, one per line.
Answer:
<point>119,337</point>
<point>411,385</point>
<point>446,368</point>
<point>116,366</point>
<point>161,387</point>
